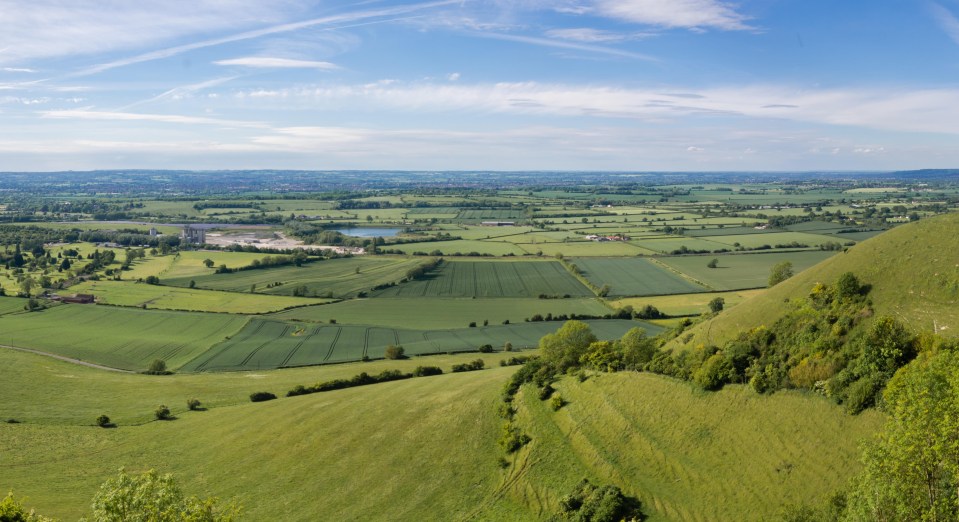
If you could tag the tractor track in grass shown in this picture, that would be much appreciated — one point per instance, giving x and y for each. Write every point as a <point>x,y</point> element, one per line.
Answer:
<point>67,359</point>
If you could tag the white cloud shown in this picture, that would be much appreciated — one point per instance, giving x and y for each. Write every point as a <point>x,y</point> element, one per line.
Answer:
<point>17,70</point>
<point>560,44</point>
<point>279,63</point>
<point>38,29</point>
<point>921,110</point>
<point>590,35</point>
<point>453,77</point>
<point>695,149</point>
<point>946,20</point>
<point>87,114</point>
<point>692,14</point>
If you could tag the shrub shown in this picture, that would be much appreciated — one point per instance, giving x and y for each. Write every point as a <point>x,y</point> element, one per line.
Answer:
<point>261,396</point>
<point>394,352</point>
<point>193,404</point>
<point>486,348</point>
<point>162,413</point>
<point>599,504</point>
<point>556,402</point>
<point>478,364</point>
<point>511,438</point>
<point>424,371</point>
<point>103,421</point>
<point>713,264</point>
<point>546,392</point>
<point>157,367</point>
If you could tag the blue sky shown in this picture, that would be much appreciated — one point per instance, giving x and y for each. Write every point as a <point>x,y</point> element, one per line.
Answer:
<point>480,84</point>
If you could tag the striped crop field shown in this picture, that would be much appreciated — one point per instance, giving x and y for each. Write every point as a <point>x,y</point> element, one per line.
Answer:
<point>492,279</point>
<point>265,344</point>
<point>632,276</point>
<point>126,338</point>
<point>335,277</point>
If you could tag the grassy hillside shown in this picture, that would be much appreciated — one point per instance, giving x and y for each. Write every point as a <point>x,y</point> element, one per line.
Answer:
<point>425,448</point>
<point>687,455</point>
<point>913,270</point>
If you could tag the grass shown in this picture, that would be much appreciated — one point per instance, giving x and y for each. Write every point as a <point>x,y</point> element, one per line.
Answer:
<point>492,279</point>
<point>425,446</point>
<point>335,277</point>
<point>741,271</point>
<point>440,313</point>
<point>491,247</point>
<point>687,455</point>
<point>266,344</point>
<point>634,276</point>
<point>911,268</point>
<point>189,264</point>
<point>121,293</point>
<point>687,304</point>
<point>118,337</point>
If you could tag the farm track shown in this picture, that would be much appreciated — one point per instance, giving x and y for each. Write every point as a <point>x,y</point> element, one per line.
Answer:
<point>67,359</point>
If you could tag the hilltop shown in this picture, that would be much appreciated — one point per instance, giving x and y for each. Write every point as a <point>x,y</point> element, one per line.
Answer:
<point>912,272</point>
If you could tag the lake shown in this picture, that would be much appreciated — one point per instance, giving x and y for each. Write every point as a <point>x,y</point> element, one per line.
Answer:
<point>369,232</point>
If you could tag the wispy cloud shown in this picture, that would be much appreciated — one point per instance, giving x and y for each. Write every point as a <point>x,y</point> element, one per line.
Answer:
<point>690,14</point>
<point>278,63</point>
<point>329,21</point>
<point>559,44</point>
<point>947,21</point>
<point>17,70</point>
<point>180,92</point>
<point>86,114</point>
<point>590,35</point>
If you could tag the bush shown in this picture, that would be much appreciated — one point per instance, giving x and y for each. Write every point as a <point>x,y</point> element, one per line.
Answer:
<point>193,404</point>
<point>157,367</point>
<point>556,402</point>
<point>103,421</point>
<point>162,413</point>
<point>478,364</point>
<point>599,504</point>
<point>394,352</point>
<point>261,396</point>
<point>511,438</point>
<point>486,348</point>
<point>424,371</point>
<point>546,392</point>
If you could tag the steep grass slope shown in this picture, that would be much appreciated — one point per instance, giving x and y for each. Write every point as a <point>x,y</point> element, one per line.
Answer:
<point>913,270</point>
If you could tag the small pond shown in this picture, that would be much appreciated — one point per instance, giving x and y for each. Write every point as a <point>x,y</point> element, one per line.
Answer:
<point>369,232</point>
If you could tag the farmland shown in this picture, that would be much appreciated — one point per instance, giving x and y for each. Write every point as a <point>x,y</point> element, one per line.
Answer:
<point>492,279</point>
<point>229,322</point>
<point>334,277</point>
<point>737,272</point>
<point>119,337</point>
<point>440,313</point>
<point>267,344</point>
<point>121,293</point>
<point>634,276</point>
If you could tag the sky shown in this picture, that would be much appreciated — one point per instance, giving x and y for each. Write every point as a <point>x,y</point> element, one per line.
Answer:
<point>624,85</point>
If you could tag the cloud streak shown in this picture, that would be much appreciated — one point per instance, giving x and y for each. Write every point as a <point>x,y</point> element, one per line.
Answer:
<point>689,14</point>
<point>278,63</point>
<point>559,44</point>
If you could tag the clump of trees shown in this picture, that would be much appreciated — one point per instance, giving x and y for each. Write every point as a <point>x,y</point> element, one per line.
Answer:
<point>155,497</point>
<point>472,366</point>
<point>157,367</point>
<point>780,272</point>
<point>261,396</point>
<point>394,352</point>
<point>591,503</point>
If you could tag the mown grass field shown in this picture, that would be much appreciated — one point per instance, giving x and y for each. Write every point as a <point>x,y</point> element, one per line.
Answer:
<point>44,390</point>
<point>687,304</point>
<point>189,264</point>
<point>335,277</point>
<point>119,337</point>
<point>741,271</point>
<point>634,276</point>
<point>492,279</point>
<point>266,344</point>
<point>122,293</point>
<point>440,313</point>
<point>687,455</point>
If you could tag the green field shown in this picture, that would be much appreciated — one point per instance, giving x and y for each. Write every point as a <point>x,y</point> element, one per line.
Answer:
<point>688,455</point>
<point>681,452</point>
<point>741,271</point>
<point>120,293</point>
<point>439,313</point>
<point>687,304</point>
<point>335,277</point>
<point>492,279</point>
<point>634,276</point>
<point>493,247</point>
<point>119,337</point>
<point>266,344</point>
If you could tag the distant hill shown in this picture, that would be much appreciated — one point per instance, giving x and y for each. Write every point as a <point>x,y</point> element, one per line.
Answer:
<point>913,271</point>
